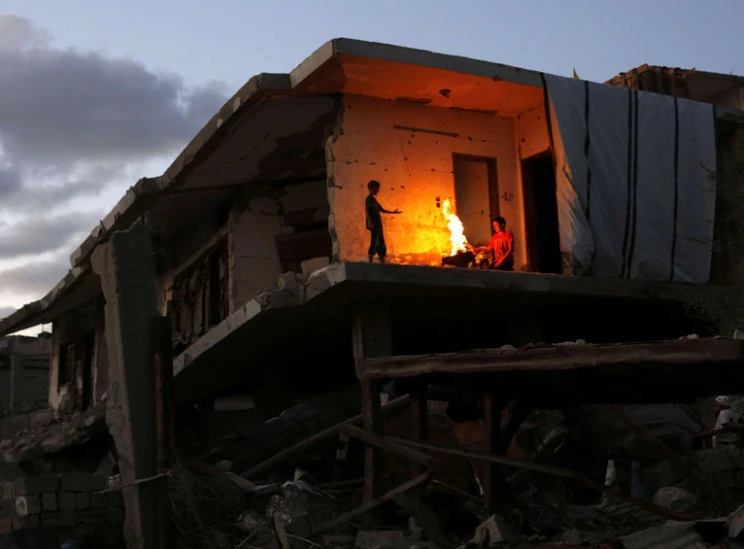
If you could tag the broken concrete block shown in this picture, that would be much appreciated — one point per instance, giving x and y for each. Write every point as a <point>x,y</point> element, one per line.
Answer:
<point>82,500</point>
<point>676,499</point>
<point>98,499</point>
<point>49,501</point>
<point>735,522</point>
<point>30,522</point>
<point>25,486</point>
<point>715,460</point>
<point>76,482</point>
<point>311,265</point>
<point>66,500</point>
<point>27,505</point>
<point>492,532</point>
<point>376,539</point>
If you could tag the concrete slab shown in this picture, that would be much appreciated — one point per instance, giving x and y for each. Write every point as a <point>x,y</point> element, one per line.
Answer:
<point>432,308</point>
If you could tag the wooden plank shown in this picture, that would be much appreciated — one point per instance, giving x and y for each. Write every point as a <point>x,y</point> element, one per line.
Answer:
<point>419,480</point>
<point>557,358</point>
<point>373,424</point>
<point>392,407</point>
<point>374,440</point>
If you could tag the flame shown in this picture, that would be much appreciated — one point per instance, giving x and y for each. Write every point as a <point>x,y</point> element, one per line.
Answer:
<point>457,231</point>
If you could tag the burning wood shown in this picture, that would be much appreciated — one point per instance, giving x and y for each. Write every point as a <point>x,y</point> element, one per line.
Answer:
<point>457,232</point>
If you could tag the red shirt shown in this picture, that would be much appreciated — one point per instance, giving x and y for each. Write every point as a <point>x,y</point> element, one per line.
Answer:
<point>502,245</point>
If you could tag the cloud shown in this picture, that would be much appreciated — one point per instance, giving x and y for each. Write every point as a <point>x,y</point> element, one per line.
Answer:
<point>34,278</point>
<point>40,234</point>
<point>62,111</point>
<point>6,311</point>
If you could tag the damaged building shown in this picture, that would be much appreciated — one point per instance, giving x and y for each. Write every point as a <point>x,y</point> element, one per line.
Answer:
<point>239,281</point>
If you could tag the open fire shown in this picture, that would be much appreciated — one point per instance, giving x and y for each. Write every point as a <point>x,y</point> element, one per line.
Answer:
<point>457,232</point>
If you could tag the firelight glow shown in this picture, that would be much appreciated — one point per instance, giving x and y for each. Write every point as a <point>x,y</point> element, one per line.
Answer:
<point>457,231</point>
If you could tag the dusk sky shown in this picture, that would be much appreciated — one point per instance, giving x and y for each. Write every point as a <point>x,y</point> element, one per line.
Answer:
<point>96,94</point>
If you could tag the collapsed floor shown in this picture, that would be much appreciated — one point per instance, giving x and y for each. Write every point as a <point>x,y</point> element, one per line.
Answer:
<point>582,476</point>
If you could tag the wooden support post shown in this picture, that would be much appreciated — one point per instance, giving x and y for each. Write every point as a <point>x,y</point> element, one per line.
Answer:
<point>497,496</point>
<point>419,420</point>
<point>373,424</point>
<point>371,338</point>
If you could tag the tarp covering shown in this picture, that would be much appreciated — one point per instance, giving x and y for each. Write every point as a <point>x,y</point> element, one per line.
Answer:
<point>633,179</point>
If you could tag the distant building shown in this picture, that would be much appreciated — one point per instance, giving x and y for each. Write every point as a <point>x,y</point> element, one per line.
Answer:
<point>24,373</point>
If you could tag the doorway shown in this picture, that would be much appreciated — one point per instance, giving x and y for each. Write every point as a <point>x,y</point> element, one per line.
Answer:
<point>476,196</point>
<point>541,214</point>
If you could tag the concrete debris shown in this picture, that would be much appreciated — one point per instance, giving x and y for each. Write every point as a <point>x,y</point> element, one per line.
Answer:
<point>735,522</point>
<point>676,499</point>
<point>380,539</point>
<point>492,532</point>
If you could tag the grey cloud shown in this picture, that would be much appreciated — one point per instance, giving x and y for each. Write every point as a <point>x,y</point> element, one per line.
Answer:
<point>63,111</point>
<point>36,278</point>
<point>40,234</point>
<point>6,311</point>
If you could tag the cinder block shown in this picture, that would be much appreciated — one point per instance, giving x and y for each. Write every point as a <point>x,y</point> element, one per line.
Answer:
<point>8,490</point>
<point>76,482</point>
<point>67,517</point>
<point>115,498</point>
<point>27,505</point>
<point>7,508</point>
<point>99,499</point>
<point>100,483</point>
<point>6,525</point>
<point>25,486</point>
<point>50,520</point>
<point>82,500</point>
<point>66,500</point>
<point>49,502</point>
<point>31,522</point>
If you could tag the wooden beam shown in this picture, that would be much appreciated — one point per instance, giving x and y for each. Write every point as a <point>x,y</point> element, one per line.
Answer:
<point>372,504</point>
<point>392,407</point>
<point>367,437</point>
<point>419,419</point>
<point>371,337</point>
<point>558,358</point>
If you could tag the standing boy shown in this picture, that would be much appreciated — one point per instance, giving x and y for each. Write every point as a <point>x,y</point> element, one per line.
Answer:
<point>374,223</point>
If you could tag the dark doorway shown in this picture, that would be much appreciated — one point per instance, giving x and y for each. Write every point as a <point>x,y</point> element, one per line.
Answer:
<point>541,214</point>
<point>476,196</point>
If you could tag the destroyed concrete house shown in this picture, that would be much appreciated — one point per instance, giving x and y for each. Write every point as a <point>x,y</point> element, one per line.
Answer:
<point>24,374</point>
<point>253,244</point>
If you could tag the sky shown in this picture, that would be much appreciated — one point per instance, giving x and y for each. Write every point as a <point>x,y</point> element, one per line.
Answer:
<point>95,95</point>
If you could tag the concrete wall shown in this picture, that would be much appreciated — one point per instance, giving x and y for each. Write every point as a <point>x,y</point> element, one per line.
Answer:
<point>532,132</point>
<point>414,167</point>
<point>33,386</point>
<point>71,328</point>
<point>253,258</point>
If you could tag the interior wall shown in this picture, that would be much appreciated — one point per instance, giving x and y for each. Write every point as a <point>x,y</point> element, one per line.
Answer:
<point>253,260</point>
<point>409,148</point>
<point>532,132</point>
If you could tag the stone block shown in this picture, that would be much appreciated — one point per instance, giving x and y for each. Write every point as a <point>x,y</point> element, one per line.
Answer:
<point>66,517</point>
<point>66,500</point>
<point>377,539</point>
<point>82,500</point>
<point>32,522</point>
<point>25,486</point>
<point>100,483</point>
<point>49,502</point>
<point>8,490</point>
<point>99,499</point>
<point>715,460</point>
<point>50,520</point>
<point>76,482</point>
<point>27,505</point>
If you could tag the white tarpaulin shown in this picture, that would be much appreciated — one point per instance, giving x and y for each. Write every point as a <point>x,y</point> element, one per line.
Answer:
<point>633,175</point>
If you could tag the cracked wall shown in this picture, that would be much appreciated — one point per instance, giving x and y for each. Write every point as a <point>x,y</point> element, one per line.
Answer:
<point>409,148</point>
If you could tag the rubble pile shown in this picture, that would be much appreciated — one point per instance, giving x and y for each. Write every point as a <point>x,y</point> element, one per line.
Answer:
<point>634,495</point>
